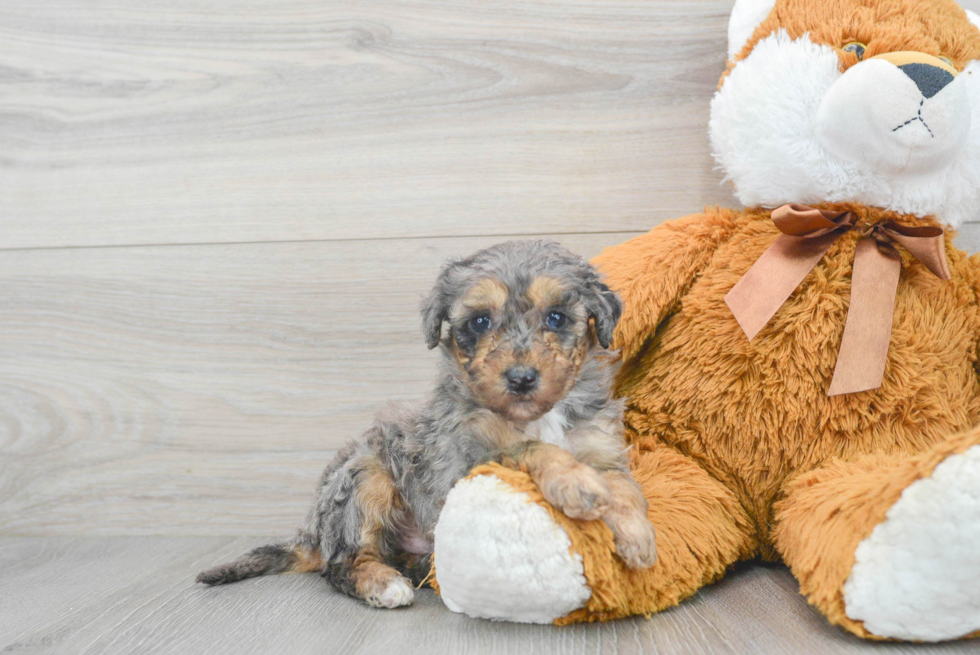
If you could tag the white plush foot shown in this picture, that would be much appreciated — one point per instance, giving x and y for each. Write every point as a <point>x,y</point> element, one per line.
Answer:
<point>917,576</point>
<point>500,556</point>
<point>397,593</point>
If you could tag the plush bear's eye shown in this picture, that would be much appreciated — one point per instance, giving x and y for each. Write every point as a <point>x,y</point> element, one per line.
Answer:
<point>480,324</point>
<point>856,48</point>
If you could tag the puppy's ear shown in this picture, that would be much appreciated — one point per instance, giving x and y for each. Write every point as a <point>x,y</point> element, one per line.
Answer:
<point>605,308</point>
<point>435,310</point>
<point>436,306</point>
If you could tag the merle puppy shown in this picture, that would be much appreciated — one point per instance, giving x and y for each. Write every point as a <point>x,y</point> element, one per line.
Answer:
<point>525,380</point>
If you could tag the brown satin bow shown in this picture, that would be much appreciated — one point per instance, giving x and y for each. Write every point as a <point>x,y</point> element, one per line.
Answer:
<point>807,234</point>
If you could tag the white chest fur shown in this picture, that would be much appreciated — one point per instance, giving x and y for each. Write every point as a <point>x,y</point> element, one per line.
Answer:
<point>550,428</point>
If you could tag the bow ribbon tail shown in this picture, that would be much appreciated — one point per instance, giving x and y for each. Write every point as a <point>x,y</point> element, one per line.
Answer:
<point>874,283</point>
<point>867,330</point>
<point>773,278</point>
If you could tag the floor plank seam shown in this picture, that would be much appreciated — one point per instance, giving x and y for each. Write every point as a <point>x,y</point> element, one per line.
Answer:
<point>422,237</point>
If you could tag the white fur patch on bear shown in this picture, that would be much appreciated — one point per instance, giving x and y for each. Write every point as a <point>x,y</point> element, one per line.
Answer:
<point>500,556</point>
<point>918,575</point>
<point>746,16</point>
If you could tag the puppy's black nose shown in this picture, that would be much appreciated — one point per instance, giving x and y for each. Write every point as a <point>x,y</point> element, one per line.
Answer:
<point>930,79</point>
<point>521,379</point>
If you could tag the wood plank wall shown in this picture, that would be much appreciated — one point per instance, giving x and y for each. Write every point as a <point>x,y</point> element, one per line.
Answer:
<point>217,220</point>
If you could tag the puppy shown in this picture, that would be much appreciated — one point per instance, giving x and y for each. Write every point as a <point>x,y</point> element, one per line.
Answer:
<point>525,380</point>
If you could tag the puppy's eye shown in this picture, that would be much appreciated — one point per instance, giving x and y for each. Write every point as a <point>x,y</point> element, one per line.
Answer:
<point>856,48</point>
<point>480,324</point>
<point>555,320</point>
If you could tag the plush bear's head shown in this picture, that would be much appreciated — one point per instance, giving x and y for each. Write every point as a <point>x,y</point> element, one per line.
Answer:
<point>872,101</point>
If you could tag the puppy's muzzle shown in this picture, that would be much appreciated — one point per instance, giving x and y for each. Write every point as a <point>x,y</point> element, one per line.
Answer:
<point>521,380</point>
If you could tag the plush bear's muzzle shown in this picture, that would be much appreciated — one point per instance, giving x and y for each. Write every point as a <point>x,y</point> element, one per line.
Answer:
<point>900,113</point>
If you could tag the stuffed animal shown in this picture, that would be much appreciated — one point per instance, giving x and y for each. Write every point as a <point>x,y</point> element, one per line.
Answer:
<point>801,375</point>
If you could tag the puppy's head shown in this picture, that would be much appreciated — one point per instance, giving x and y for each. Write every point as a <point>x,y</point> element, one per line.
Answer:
<point>522,317</point>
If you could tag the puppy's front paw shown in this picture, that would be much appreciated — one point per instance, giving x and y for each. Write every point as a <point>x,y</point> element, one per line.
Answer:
<point>577,490</point>
<point>396,592</point>
<point>379,585</point>
<point>636,542</point>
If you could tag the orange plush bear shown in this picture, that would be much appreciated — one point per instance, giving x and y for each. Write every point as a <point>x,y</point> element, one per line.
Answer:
<point>801,375</point>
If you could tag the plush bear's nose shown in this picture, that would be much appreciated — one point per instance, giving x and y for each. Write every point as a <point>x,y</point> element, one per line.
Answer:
<point>931,74</point>
<point>930,79</point>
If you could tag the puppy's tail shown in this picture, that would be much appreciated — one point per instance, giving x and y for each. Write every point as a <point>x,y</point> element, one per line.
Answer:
<point>289,557</point>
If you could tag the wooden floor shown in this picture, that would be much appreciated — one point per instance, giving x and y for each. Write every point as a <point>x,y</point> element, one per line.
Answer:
<point>128,595</point>
<point>216,222</point>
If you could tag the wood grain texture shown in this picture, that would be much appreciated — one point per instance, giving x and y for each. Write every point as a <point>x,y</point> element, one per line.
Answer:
<point>201,389</point>
<point>136,595</point>
<point>182,122</point>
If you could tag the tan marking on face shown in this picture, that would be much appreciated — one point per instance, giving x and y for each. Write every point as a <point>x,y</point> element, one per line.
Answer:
<point>484,348</point>
<point>556,357</point>
<point>557,371</point>
<point>557,360</point>
<point>556,368</point>
<point>485,374</point>
<point>488,294</point>
<point>557,365</point>
<point>545,291</point>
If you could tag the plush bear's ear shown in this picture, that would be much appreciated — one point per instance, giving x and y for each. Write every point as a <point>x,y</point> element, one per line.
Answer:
<point>746,16</point>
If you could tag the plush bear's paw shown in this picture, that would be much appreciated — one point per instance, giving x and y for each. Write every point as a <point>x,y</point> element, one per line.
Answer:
<point>577,490</point>
<point>501,556</point>
<point>636,542</point>
<point>915,577</point>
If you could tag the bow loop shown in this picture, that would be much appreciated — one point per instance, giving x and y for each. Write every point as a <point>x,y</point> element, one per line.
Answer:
<point>809,222</point>
<point>927,243</point>
<point>807,234</point>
